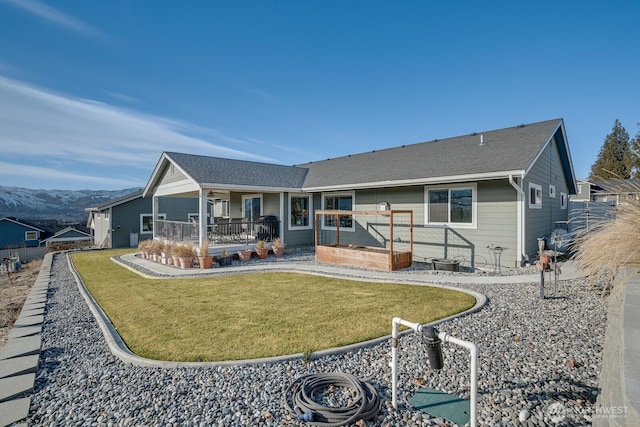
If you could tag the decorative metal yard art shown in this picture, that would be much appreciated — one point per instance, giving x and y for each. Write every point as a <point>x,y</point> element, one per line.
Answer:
<point>435,402</point>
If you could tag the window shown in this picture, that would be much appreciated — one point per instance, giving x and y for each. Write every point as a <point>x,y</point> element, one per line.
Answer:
<point>579,189</point>
<point>535,196</point>
<point>454,206</point>
<point>552,191</point>
<point>338,201</point>
<point>563,200</point>
<point>224,208</point>
<point>146,222</point>
<point>252,207</point>
<point>299,206</point>
<point>30,235</point>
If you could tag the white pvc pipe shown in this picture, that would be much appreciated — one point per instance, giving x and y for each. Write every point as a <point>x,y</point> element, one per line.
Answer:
<point>473,349</point>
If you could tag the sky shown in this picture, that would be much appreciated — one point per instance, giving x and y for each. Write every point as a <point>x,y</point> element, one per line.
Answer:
<point>92,93</point>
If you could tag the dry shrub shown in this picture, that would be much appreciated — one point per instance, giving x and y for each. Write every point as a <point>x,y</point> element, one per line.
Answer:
<point>610,244</point>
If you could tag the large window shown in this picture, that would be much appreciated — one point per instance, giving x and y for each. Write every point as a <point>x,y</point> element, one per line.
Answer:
<point>338,201</point>
<point>535,196</point>
<point>299,211</point>
<point>454,206</point>
<point>146,222</point>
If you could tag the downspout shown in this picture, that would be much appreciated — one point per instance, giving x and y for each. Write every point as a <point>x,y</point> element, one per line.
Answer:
<point>520,220</point>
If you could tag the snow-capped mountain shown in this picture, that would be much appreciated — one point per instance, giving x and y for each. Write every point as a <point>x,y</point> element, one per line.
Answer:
<point>61,205</point>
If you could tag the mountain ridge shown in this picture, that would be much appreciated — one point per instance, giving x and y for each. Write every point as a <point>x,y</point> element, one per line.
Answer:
<point>60,205</point>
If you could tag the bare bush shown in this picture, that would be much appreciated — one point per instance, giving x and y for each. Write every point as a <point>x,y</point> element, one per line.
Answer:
<point>611,244</point>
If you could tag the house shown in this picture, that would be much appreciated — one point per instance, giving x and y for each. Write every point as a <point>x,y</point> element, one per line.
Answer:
<point>583,191</point>
<point>15,233</point>
<point>614,191</point>
<point>126,220</point>
<point>501,188</point>
<point>71,235</point>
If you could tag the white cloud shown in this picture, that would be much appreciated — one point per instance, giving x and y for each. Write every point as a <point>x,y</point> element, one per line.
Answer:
<point>55,16</point>
<point>14,170</point>
<point>61,128</point>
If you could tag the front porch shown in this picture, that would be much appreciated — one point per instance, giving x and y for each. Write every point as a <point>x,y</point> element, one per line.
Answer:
<point>229,234</point>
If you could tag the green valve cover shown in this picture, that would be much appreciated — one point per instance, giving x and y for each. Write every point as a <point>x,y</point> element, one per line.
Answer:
<point>442,405</point>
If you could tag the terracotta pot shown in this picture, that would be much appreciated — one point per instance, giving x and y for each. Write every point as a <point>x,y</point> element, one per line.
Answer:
<point>545,259</point>
<point>262,252</point>
<point>278,250</point>
<point>205,261</point>
<point>186,262</point>
<point>245,255</point>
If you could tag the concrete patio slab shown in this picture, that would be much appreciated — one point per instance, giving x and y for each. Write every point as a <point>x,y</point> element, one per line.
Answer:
<point>21,347</point>
<point>12,387</point>
<point>29,321</point>
<point>13,411</point>
<point>19,366</point>
<point>25,331</point>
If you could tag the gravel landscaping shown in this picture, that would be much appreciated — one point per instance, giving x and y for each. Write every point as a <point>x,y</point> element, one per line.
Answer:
<point>538,360</point>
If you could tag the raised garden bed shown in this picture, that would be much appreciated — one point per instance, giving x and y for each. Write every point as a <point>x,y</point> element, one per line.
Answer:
<point>363,256</point>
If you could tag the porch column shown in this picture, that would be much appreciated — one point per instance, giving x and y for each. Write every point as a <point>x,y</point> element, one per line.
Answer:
<point>202,215</point>
<point>154,214</point>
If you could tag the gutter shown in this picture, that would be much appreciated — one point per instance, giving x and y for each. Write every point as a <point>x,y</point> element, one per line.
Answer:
<point>520,220</point>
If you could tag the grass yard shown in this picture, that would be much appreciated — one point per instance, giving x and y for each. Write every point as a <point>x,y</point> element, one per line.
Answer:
<point>248,316</point>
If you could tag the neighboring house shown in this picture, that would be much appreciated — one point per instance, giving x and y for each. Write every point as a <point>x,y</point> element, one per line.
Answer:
<point>72,235</point>
<point>505,187</point>
<point>15,233</point>
<point>583,191</point>
<point>126,220</point>
<point>614,191</point>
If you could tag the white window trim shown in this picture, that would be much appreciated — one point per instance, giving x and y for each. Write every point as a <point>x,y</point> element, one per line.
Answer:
<point>35,235</point>
<point>353,208</point>
<point>564,200</point>
<point>532,204</point>
<point>252,196</point>
<point>552,191</point>
<point>310,214</point>
<point>224,213</point>
<point>160,216</point>
<point>474,205</point>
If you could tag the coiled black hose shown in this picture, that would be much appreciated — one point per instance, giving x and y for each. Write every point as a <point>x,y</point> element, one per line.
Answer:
<point>304,391</point>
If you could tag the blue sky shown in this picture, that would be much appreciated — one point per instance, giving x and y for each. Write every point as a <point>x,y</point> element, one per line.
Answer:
<point>91,93</point>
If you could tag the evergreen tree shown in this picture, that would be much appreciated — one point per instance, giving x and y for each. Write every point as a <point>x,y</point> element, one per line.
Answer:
<point>614,159</point>
<point>635,154</point>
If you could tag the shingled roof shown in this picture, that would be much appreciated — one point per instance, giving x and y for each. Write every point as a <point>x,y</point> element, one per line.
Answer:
<point>220,171</point>
<point>512,149</point>
<point>481,155</point>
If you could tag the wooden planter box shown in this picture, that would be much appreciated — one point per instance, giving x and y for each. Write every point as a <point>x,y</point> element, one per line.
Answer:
<point>363,256</point>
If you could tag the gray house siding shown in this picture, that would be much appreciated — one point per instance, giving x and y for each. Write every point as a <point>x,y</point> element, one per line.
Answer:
<point>546,171</point>
<point>496,224</point>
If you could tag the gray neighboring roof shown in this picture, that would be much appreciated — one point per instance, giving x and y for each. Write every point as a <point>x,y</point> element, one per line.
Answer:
<point>216,170</point>
<point>618,186</point>
<point>117,201</point>
<point>503,150</point>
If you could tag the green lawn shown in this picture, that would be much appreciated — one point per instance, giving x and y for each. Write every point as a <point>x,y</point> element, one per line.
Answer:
<point>249,316</point>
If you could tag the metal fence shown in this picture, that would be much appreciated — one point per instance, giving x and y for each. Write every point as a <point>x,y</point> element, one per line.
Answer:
<point>225,231</point>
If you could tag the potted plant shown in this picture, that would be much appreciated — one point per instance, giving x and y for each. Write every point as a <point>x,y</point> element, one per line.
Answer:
<point>167,254</point>
<point>155,248</point>
<point>185,254</point>
<point>245,254</point>
<point>143,247</point>
<point>224,259</point>
<point>204,259</point>
<point>277,247</point>
<point>261,249</point>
